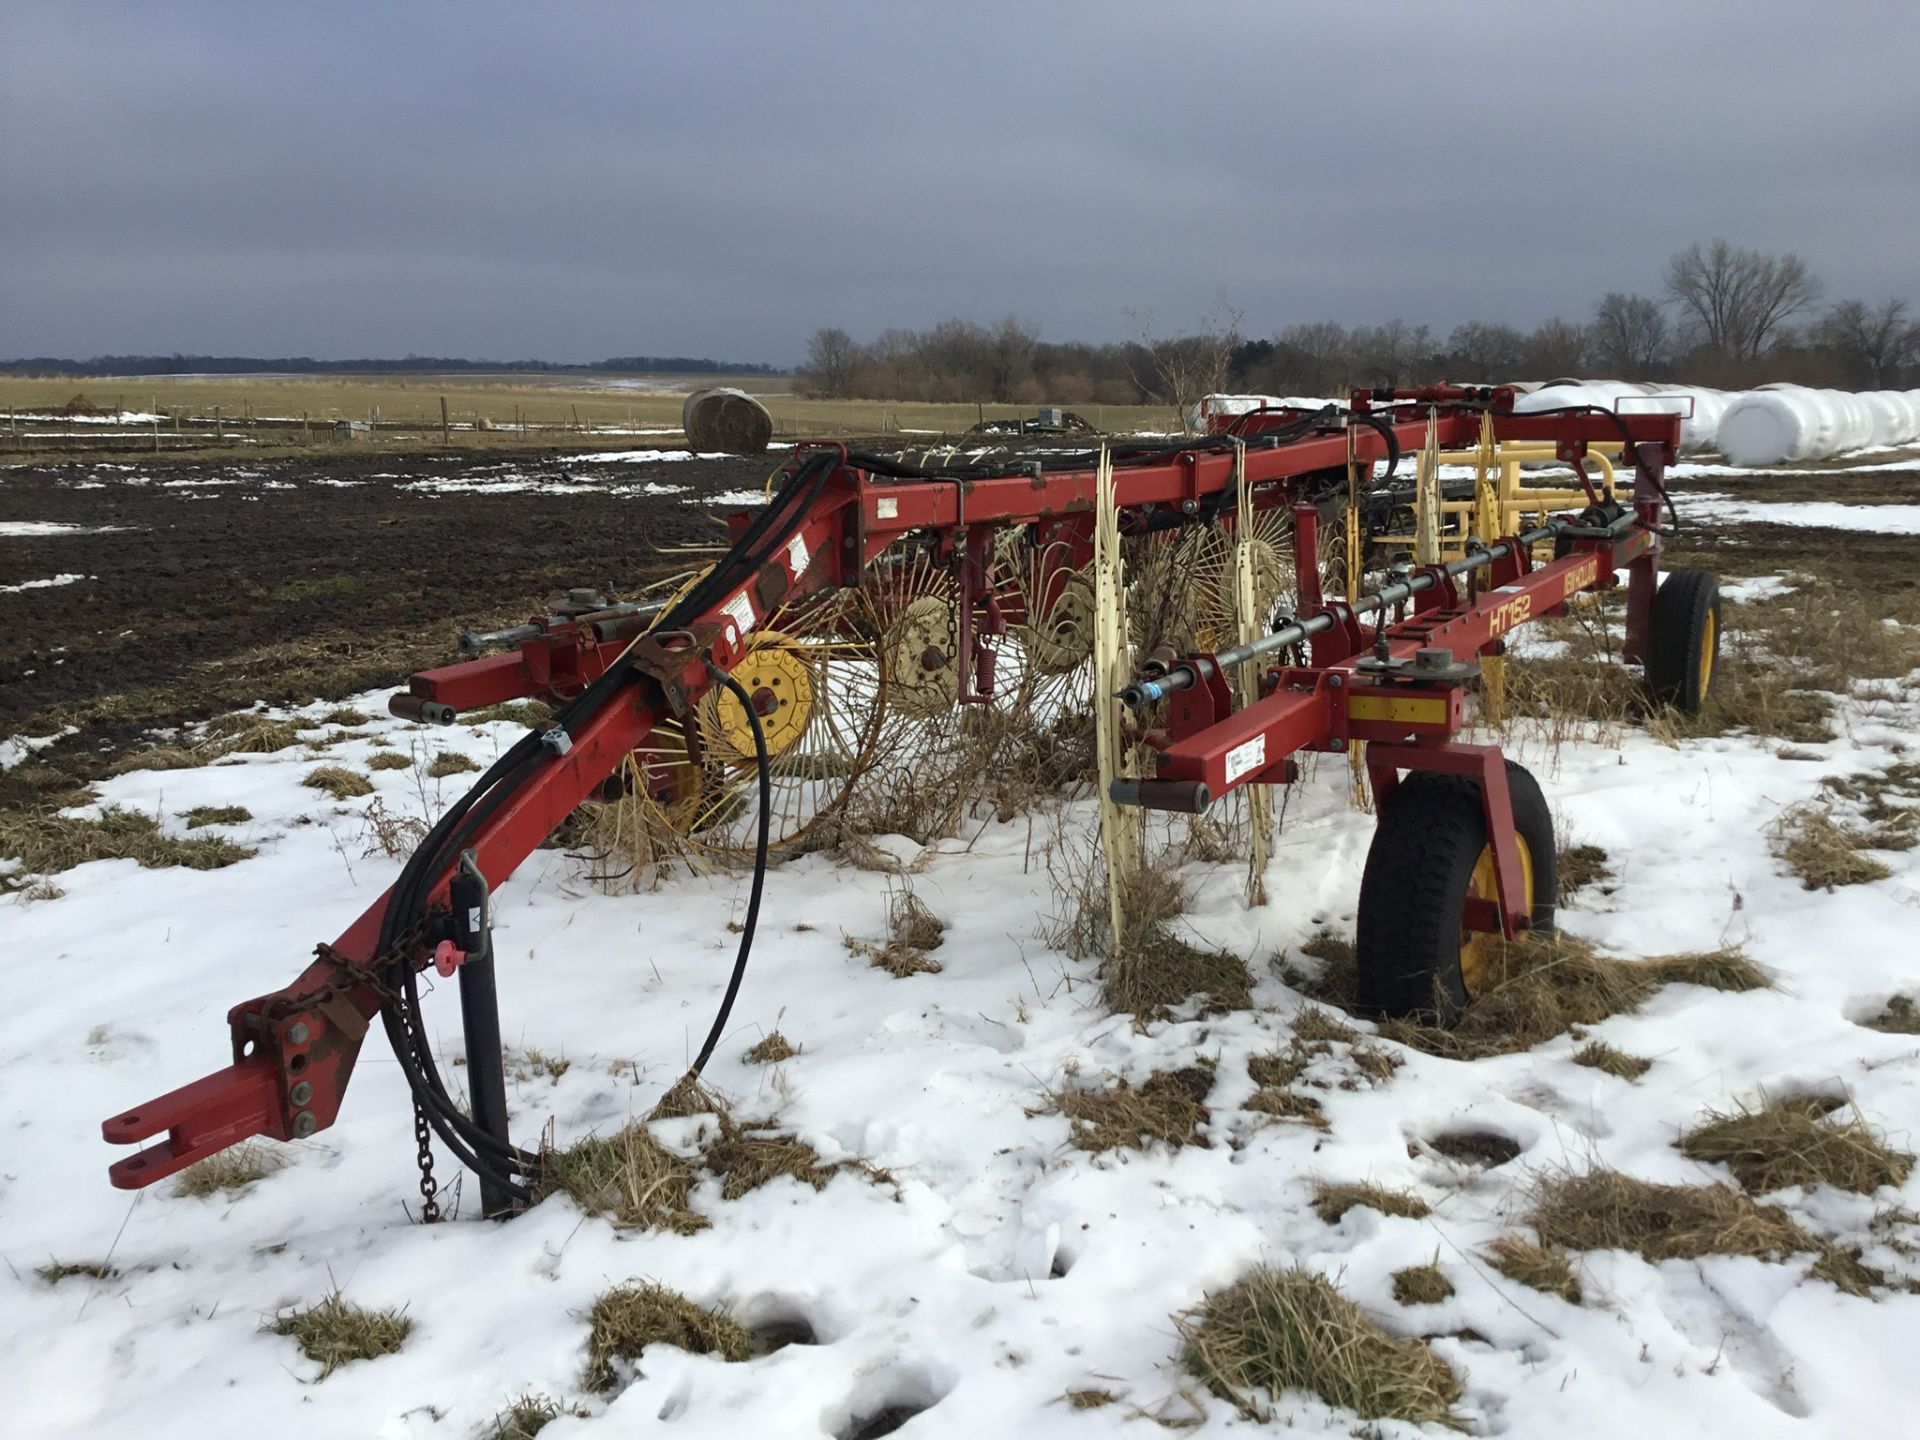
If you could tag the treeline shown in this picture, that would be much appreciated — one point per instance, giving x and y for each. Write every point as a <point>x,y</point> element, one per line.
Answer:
<point>1726,316</point>
<point>412,364</point>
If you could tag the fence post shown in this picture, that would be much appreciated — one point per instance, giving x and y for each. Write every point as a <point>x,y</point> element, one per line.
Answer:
<point>446,429</point>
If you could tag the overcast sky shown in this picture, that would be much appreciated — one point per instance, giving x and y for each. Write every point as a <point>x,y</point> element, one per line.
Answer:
<point>575,181</point>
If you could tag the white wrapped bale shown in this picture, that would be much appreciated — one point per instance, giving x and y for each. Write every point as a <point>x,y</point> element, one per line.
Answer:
<point>1698,429</point>
<point>1779,423</point>
<point>1886,415</point>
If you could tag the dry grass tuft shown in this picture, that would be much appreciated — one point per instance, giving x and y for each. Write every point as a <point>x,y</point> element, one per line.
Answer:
<point>1601,1056</point>
<point>344,715</point>
<point>384,833</point>
<point>530,713</point>
<point>1090,1399</point>
<point>1331,1201</point>
<point>338,781</point>
<point>1535,1266</point>
<point>628,1318</point>
<point>1156,971</point>
<point>1547,984</point>
<point>390,760</point>
<point>335,1333</point>
<point>1168,1106</point>
<point>1605,1210</point>
<point>249,735</point>
<point>1421,1284</point>
<point>1793,1141</point>
<point>203,815</point>
<point>687,1097</point>
<point>54,1271</point>
<point>525,1418</point>
<point>1288,1105</point>
<point>1822,851</point>
<point>232,1169</point>
<point>450,762</point>
<point>1335,980</point>
<point>161,757</point>
<point>1900,1017</point>
<point>1278,1330</point>
<point>1579,866</point>
<point>746,1158</point>
<point>911,923</point>
<point>913,930</point>
<point>1315,1027</point>
<point>1275,1068</point>
<point>533,1063</point>
<point>48,843</point>
<point>771,1050</point>
<point>628,1176</point>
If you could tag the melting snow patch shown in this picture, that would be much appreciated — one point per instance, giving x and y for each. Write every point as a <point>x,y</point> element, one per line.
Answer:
<point>23,529</point>
<point>1814,514</point>
<point>43,584</point>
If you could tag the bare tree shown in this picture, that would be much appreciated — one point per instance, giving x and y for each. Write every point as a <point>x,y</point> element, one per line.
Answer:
<point>1314,359</point>
<point>1483,353</point>
<point>1629,336</point>
<point>1558,347</point>
<point>1010,356</point>
<point>1875,343</point>
<point>1187,368</point>
<point>1738,298</point>
<point>832,356</point>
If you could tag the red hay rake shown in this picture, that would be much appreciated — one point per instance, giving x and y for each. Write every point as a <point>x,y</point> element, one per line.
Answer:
<point>695,703</point>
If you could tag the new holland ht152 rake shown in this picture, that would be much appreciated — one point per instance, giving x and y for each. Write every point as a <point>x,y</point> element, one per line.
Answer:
<point>873,599</point>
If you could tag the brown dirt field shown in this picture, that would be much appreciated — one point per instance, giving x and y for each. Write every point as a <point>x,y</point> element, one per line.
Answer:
<point>291,580</point>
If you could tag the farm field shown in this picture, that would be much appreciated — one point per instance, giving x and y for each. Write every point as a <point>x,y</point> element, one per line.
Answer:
<point>407,410</point>
<point>968,1251</point>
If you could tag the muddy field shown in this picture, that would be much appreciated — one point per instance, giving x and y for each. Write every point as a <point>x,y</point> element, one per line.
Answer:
<point>209,585</point>
<point>188,588</point>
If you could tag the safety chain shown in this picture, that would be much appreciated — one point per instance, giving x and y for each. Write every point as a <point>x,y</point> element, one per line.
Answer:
<point>422,1133</point>
<point>409,950</point>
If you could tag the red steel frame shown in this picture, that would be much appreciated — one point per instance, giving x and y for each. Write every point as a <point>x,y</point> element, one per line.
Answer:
<point>293,1051</point>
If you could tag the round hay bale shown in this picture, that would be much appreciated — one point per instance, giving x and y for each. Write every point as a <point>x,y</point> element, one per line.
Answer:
<point>726,420</point>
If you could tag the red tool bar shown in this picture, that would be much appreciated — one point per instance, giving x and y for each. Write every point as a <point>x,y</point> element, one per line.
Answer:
<point>1235,749</point>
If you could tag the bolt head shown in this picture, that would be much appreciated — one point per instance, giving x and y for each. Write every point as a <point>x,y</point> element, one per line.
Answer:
<point>304,1124</point>
<point>1336,681</point>
<point>1338,743</point>
<point>301,1093</point>
<point>299,1032</point>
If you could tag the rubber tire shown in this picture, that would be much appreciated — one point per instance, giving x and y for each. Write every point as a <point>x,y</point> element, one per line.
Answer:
<point>1414,889</point>
<point>1676,636</point>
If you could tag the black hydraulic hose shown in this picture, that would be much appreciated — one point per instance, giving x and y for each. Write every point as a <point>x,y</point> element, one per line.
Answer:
<point>465,1140</point>
<point>765,764</point>
<point>1385,431</point>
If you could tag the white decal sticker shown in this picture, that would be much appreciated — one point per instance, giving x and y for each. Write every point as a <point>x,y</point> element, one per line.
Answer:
<point>741,609</point>
<point>1244,759</point>
<point>797,557</point>
<point>886,509</point>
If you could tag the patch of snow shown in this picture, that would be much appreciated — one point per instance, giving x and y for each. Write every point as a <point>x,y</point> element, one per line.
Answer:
<point>1816,514</point>
<point>16,748</point>
<point>44,584</point>
<point>729,497</point>
<point>24,529</point>
<point>1011,1267</point>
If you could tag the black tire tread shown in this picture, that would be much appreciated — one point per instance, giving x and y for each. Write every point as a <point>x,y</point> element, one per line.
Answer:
<point>1431,831</point>
<point>1676,632</point>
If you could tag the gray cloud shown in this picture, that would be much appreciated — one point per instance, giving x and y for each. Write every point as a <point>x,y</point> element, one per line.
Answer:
<point>573,181</point>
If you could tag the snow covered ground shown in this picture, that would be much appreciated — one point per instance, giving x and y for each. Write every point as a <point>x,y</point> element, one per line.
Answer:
<point>1009,1268</point>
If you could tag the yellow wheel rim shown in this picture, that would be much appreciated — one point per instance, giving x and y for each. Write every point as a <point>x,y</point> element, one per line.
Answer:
<point>1709,639</point>
<point>1480,949</point>
<point>780,682</point>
